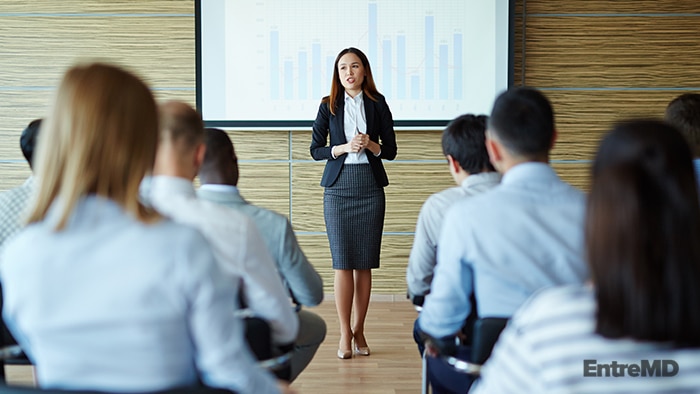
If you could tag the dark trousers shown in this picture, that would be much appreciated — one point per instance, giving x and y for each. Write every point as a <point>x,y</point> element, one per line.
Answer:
<point>442,377</point>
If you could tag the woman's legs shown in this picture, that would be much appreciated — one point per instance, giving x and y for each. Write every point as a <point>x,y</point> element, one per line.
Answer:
<point>363,288</point>
<point>344,289</point>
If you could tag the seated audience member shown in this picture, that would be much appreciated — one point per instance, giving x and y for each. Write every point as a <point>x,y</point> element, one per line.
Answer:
<point>683,112</point>
<point>503,245</point>
<point>464,146</point>
<point>14,202</point>
<point>218,175</point>
<point>100,291</point>
<point>235,241</point>
<point>635,328</point>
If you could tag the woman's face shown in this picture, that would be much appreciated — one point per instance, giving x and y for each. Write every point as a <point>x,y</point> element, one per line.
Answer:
<point>351,73</point>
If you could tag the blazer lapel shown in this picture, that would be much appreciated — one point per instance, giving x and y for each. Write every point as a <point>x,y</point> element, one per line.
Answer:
<point>369,114</point>
<point>339,123</point>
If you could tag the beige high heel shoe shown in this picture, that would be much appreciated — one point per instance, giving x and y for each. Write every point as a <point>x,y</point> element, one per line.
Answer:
<point>361,350</point>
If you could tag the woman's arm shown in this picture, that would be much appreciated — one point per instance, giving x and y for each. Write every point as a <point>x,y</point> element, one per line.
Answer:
<point>387,148</point>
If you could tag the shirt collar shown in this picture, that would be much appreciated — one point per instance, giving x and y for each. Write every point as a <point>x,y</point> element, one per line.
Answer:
<point>481,177</point>
<point>163,184</point>
<point>357,99</point>
<point>219,188</point>
<point>529,172</point>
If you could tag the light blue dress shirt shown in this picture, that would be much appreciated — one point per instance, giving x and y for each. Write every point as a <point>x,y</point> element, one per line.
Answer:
<point>113,304</point>
<point>503,245</point>
<point>696,164</point>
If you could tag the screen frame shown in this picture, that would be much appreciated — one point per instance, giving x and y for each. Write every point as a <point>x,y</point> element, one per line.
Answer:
<point>306,124</point>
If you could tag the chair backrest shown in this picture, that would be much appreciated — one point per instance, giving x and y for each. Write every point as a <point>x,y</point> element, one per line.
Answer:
<point>486,333</point>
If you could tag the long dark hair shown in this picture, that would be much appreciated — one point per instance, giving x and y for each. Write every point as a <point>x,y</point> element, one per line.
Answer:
<point>368,87</point>
<point>643,235</point>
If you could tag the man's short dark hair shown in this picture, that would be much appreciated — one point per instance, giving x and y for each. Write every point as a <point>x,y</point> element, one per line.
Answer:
<point>523,121</point>
<point>220,163</point>
<point>464,139</point>
<point>683,112</point>
<point>28,138</point>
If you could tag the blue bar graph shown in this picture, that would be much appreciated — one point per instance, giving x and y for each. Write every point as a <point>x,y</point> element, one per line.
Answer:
<point>458,66</point>
<point>388,72</point>
<point>288,78</point>
<point>406,66</point>
<point>401,66</point>
<point>303,74</point>
<point>316,69</point>
<point>444,77</point>
<point>429,56</point>
<point>415,87</point>
<point>372,38</point>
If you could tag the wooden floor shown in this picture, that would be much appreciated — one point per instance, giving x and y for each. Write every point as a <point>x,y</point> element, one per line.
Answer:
<point>393,367</point>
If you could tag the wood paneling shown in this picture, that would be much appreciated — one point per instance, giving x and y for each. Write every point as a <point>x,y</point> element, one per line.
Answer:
<point>266,184</point>
<point>584,116</point>
<point>88,7</point>
<point>625,51</point>
<point>609,7</point>
<point>163,57</point>
<point>13,174</point>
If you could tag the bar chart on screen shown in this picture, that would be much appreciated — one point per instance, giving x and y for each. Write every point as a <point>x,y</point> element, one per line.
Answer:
<point>430,59</point>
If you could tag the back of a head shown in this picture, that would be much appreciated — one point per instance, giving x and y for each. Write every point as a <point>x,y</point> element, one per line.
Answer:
<point>642,231</point>
<point>181,124</point>
<point>220,165</point>
<point>683,112</point>
<point>522,119</point>
<point>464,139</point>
<point>28,138</point>
<point>99,139</point>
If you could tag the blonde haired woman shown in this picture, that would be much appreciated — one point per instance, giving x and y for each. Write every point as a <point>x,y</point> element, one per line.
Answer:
<point>101,292</point>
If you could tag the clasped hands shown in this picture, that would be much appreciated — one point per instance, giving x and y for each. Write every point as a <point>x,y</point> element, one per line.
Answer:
<point>359,141</point>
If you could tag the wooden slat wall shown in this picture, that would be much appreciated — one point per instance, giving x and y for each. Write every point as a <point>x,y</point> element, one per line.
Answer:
<point>598,61</point>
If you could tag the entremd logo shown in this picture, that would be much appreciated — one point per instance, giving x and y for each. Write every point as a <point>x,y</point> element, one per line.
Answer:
<point>646,368</point>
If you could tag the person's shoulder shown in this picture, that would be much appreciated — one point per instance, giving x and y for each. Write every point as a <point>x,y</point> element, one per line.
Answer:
<point>551,305</point>
<point>443,199</point>
<point>267,215</point>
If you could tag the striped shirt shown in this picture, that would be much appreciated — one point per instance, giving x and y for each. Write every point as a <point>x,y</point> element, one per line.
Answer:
<point>550,346</point>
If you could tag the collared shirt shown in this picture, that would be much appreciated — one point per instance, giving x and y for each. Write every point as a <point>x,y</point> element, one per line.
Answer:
<point>422,260</point>
<point>238,247</point>
<point>13,206</point>
<point>299,275</point>
<point>696,164</point>
<point>505,244</point>
<point>550,346</point>
<point>116,305</point>
<point>355,122</point>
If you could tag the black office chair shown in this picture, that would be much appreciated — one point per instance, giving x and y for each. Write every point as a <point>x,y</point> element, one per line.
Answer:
<point>484,335</point>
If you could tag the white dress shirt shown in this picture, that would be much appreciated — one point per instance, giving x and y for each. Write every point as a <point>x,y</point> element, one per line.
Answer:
<point>505,244</point>
<point>237,245</point>
<point>423,257</point>
<point>355,121</point>
<point>116,305</point>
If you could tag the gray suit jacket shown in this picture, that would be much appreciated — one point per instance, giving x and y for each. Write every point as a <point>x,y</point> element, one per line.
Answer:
<point>300,277</point>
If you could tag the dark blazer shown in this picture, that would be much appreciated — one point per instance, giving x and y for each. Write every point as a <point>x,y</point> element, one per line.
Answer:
<point>380,127</point>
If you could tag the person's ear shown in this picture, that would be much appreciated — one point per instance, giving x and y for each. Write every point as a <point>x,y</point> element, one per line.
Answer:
<point>554,139</point>
<point>200,151</point>
<point>495,150</point>
<point>453,164</point>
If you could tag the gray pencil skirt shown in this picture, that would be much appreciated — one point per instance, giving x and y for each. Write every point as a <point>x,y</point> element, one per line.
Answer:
<point>353,208</point>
